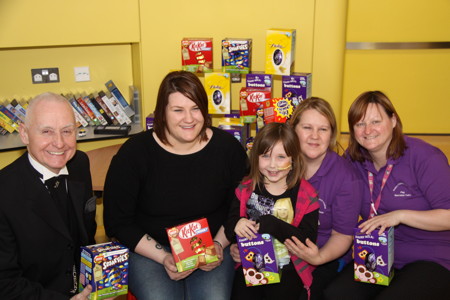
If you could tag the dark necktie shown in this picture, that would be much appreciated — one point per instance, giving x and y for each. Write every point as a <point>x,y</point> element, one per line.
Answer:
<point>57,188</point>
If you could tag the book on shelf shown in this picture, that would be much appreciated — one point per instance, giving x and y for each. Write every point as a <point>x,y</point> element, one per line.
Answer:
<point>135,101</point>
<point>3,131</point>
<point>80,121</point>
<point>112,88</point>
<point>115,107</point>
<point>79,109</point>
<point>9,114</point>
<point>103,116</point>
<point>8,124</point>
<point>97,114</point>
<point>17,110</point>
<point>83,104</point>
<point>111,118</point>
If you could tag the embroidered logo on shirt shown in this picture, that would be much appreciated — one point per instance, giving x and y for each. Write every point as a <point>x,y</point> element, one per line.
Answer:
<point>401,190</point>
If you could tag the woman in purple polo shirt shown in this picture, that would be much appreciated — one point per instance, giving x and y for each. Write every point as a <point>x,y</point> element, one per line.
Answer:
<point>339,188</point>
<point>407,185</point>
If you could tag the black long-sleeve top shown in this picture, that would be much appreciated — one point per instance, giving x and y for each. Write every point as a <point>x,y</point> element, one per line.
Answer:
<point>263,213</point>
<point>148,189</point>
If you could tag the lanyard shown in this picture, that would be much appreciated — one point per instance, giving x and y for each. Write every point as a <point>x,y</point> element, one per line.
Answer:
<point>374,205</point>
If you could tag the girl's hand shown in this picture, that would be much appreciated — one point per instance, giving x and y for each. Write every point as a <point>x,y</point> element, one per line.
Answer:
<point>246,228</point>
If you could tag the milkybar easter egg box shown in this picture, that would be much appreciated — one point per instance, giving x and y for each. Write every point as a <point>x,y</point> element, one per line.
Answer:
<point>192,245</point>
<point>105,268</point>
<point>280,51</point>
<point>217,87</point>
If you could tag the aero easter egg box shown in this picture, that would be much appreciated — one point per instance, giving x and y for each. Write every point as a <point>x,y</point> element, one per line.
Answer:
<point>105,268</point>
<point>192,245</point>
<point>258,259</point>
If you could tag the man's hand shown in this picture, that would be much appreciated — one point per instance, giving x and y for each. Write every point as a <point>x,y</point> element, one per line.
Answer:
<point>84,294</point>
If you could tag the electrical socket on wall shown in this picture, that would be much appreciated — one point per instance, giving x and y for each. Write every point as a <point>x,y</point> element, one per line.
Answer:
<point>82,74</point>
<point>45,75</point>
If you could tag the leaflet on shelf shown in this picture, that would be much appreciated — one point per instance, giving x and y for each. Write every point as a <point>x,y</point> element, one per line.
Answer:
<point>86,108</point>
<point>97,114</point>
<point>105,108</point>
<point>115,108</point>
<point>12,108</point>
<point>79,109</point>
<point>115,92</point>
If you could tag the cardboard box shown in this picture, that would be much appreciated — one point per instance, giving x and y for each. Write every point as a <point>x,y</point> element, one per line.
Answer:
<point>218,89</point>
<point>259,81</point>
<point>259,262</point>
<point>280,51</point>
<point>105,268</point>
<point>251,101</point>
<point>149,121</point>
<point>192,245</point>
<point>277,110</point>
<point>197,55</point>
<point>232,124</point>
<point>374,256</point>
<point>236,55</point>
<point>296,87</point>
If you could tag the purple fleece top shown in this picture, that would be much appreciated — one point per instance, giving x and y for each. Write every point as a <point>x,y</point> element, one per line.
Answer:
<point>340,188</point>
<point>420,180</point>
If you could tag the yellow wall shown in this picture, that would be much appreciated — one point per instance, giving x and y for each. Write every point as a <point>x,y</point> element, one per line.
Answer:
<point>109,61</point>
<point>166,23</point>
<point>30,23</point>
<point>138,42</point>
<point>415,80</point>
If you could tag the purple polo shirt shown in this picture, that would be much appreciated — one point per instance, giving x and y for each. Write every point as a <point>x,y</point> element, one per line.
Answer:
<point>420,180</point>
<point>339,187</point>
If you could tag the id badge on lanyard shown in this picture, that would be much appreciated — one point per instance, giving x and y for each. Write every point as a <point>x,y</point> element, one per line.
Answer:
<point>374,205</point>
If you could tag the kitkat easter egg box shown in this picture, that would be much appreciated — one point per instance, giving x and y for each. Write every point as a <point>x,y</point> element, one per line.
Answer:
<point>197,55</point>
<point>105,268</point>
<point>251,101</point>
<point>192,245</point>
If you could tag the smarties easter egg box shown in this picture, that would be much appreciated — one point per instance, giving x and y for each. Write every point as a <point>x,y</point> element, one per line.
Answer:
<point>192,245</point>
<point>259,262</point>
<point>105,268</point>
<point>374,256</point>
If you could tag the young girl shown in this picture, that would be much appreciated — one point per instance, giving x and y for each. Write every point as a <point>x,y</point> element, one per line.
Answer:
<point>276,175</point>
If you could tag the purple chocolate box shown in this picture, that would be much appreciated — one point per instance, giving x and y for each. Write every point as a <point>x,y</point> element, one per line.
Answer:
<point>258,81</point>
<point>296,87</point>
<point>374,256</point>
<point>258,259</point>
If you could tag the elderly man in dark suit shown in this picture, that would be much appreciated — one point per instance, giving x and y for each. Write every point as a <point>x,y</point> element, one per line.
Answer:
<point>47,208</point>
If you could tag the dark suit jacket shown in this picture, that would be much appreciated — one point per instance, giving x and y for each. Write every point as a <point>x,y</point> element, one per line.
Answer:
<point>36,249</point>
